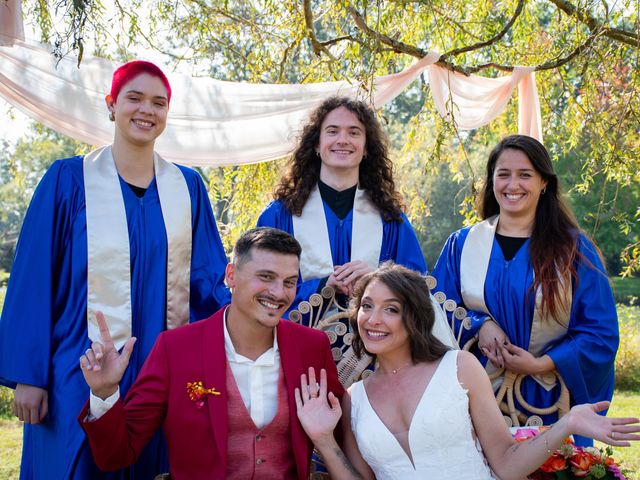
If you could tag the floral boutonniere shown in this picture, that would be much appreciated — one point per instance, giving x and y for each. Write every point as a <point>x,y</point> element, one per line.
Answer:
<point>197,392</point>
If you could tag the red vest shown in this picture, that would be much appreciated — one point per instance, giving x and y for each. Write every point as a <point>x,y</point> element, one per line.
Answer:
<point>263,454</point>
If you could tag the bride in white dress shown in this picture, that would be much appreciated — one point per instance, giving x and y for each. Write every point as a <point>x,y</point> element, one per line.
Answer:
<point>427,411</point>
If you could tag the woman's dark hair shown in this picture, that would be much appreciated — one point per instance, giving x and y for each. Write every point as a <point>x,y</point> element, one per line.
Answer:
<point>417,311</point>
<point>376,169</point>
<point>554,240</point>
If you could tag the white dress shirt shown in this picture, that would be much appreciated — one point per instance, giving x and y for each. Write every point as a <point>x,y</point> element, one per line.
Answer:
<point>257,381</point>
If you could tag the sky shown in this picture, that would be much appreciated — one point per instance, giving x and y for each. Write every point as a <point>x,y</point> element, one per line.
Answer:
<point>14,122</point>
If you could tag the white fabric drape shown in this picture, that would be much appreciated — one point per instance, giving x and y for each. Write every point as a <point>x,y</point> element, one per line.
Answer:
<point>213,122</point>
<point>473,101</point>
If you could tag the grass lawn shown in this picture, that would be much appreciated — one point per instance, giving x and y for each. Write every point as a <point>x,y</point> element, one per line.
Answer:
<point>10,448</point>
<point>625,404</point>
<point>626,288</point>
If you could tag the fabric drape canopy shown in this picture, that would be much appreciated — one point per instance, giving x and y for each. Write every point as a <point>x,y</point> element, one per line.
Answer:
<point>213,122</point>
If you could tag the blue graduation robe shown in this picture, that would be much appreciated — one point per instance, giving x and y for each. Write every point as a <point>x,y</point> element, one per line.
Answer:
<point>43,328</point>
<point>584,357</point>
<point>399,242</point>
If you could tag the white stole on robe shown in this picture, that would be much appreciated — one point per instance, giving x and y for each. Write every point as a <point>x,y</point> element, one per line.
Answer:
<point>310,229</point>
<point>108,256</point>
<point>474,264</point>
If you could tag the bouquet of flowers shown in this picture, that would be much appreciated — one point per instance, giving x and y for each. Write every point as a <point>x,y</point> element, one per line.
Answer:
<point>573,462</point>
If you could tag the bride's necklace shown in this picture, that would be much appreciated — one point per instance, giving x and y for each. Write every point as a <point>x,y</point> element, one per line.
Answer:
<point>396,370</point>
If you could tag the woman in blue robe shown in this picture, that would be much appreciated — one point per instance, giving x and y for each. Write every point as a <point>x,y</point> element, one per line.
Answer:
<point>533,283</point>
<point>338,198</point>
<point>45,324</point>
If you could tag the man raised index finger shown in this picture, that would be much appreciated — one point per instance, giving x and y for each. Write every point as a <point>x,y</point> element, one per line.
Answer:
<point>105,335</point>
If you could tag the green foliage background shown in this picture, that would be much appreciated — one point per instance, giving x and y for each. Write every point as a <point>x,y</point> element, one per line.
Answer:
<point>628,358</point>
<point>587,56</point>
<point>588,79</point>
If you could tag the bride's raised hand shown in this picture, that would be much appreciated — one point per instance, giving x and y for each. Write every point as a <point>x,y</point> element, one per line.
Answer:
<point>318,411</point>
<point>584,420</point>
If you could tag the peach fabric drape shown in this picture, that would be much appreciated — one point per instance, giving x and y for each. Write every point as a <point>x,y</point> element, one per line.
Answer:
<point>11,26</point>
<point>213,122</point>
<point>473,101</point>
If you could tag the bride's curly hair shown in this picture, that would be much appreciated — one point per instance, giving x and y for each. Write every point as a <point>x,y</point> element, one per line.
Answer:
<point>418,316</point>
<point>376,169</point>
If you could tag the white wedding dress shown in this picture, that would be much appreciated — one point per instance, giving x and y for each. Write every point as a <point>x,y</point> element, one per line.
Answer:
<point>440,435</point>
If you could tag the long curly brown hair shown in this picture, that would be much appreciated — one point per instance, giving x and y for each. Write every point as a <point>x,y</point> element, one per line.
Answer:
<point>554,240</point>
<point>376,169</point>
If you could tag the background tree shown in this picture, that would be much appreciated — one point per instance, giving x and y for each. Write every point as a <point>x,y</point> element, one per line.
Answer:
<point>586,56</point>
<point>21,168</point>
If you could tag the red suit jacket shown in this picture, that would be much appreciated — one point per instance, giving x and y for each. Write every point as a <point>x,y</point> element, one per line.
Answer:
<point>197,437</point>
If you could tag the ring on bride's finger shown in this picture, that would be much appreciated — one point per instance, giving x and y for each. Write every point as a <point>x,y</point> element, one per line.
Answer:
<point>613,434</point>
<point>313,390</point>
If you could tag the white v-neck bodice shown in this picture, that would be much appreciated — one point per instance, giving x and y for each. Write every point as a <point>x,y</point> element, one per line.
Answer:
<point>440,435</point>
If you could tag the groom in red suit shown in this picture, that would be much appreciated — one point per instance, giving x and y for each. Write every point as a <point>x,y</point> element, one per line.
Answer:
<point>222,389</point>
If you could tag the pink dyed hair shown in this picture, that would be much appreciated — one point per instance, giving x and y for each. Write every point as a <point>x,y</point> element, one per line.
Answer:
<point>131,70</point>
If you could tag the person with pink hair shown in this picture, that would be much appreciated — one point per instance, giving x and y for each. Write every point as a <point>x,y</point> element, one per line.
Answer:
<point>118,230</point>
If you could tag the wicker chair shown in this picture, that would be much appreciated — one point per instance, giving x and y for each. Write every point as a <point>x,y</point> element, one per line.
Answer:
<point>507,384</point>
<point>323,312</point>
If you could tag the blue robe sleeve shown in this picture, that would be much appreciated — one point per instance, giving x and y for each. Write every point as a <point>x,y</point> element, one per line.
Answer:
<point>277,216</point>
<point>208,293</point>
<point>30,305</point>
<point>401,245</point>
<point>274,215</point>
<point>447,275</point>
<point>585,356</point>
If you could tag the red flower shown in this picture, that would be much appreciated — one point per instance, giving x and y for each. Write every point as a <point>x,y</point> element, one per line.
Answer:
<point>581,462</point>
<point>555,463</point>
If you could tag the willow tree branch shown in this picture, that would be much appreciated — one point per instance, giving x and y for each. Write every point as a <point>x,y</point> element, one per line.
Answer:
<point>396,45</point>
<point>285,58</point>
<point>622,36</point>
<point>579,50</point>
<point>582,15</point>
<point>549,65</point>
<point>333,41</point>
<point>619,34</point>
<point>316,45</point>
<point>138,31</point>
<point>507,26</point>
<point>400,47</point>
<point>222,12</point>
